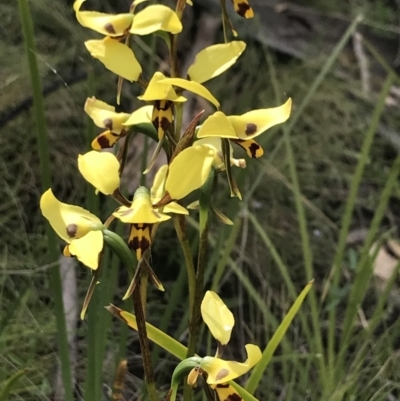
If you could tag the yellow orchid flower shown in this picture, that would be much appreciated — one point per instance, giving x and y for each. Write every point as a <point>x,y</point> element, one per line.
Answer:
<point>220,321</point>
<point>101,169</point>
<point>242,129</point>
<point>116,57</point>
<point>156,18</point>
<point>76,226</point>
<point>106,24</point>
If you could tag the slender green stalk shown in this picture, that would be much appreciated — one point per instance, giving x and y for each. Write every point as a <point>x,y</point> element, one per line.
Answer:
<point>144,344</point>
<point>180,228</point>
<point>45,170</point>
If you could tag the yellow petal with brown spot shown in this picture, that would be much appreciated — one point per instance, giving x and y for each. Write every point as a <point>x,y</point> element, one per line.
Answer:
<point>139,238</point>
<point>189,171</point>
<point>214,60</point>
<point>220,371</point>
<point>105,140</point>
<point>193,87</point>
<point>101,169</point>
<point>106,24</point>
<point>218,318</point>
<point>156,18</point>
<point>104,115</point>
<point>88,248</point>
<point>255,122</point>
<point>116,57</point>
<point>252,148</point>
<point>156,90</point>
<point>217,125</point>
<point>68,221</point>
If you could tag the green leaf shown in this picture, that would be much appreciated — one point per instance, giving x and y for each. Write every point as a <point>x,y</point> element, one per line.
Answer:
<point>259,369</point>
<point>10,384</point>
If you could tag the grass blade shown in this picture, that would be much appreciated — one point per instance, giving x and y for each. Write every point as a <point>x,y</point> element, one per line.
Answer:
<point>45,169</point>
<point>259,369</point>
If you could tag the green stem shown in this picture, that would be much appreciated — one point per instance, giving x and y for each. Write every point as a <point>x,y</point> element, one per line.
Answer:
<point>45,171</point>
<point>180,228</point>
<point>144,344</point>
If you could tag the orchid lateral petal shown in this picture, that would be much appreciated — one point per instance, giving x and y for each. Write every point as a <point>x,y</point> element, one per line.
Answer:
<point>226,392</point>
<point>255,122</point>
<point>106,139</point>
<point>242,7</point>
<point>156,90</point>
<point>214,60</point>
<point>252,148</point>
<point>88,248</point>
<point>101,169</point>
<point>68,221</point>
<point>194,87</point>
<point>156,18</point>
<point>104,115</point>
<point>221,371</point>
<point>174,207</point>
<point>189,171</point>
<point>139,116</point>
<point>218,318</point>
<point>141,210</point>
<point>217,125</point>
<point>116,57</point>
<point>106,24</point>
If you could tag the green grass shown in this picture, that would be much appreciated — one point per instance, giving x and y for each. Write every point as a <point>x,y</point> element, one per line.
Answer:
<point>325,173</point>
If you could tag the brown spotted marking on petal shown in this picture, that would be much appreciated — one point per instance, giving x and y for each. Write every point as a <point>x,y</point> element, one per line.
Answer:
<point>226,392</point>
<point>162,116</point>
<point>72,229</point>
<point>242,7</point>
<point>105,140</point>
<point>139,238</point>
<point>251,128</point>
<point>108,123</point>
<point>221,374</point>
<point>252,148</point>
<point>109,28</point>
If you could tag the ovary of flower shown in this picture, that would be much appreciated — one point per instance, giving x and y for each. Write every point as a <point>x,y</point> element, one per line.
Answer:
<point>218,318</point>
<point>156,18</point>
<point>76,226</point>
<point>215,144</point>
<point>116,57</point>
<point>101,169</point>
<point>105,24</point>
<point>242,129</point>
<point>214,60</point>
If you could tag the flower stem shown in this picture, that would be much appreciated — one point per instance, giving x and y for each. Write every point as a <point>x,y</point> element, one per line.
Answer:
<point>144,343</point>
<point>180,228</point>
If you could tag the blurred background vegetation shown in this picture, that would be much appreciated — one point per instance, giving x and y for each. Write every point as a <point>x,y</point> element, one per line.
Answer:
<point>291,226</point>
